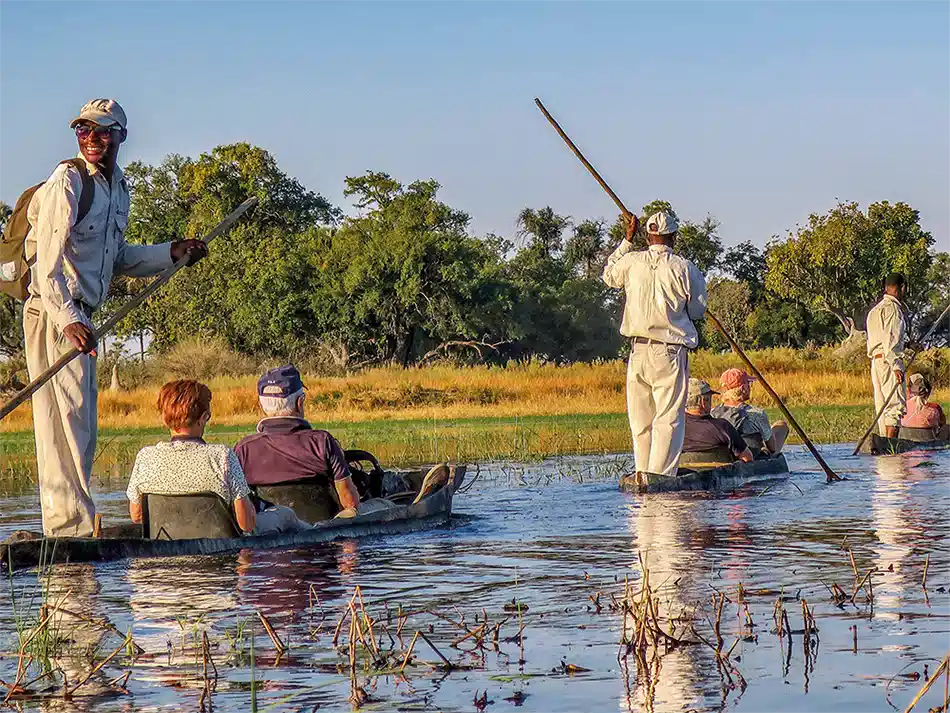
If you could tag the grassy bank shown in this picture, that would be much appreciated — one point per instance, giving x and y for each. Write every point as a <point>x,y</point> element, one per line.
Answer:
<point>445,393</point>
<point>428,440</point>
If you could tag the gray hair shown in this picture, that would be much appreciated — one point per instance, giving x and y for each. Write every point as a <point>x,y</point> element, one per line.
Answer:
<point>280,405</point>
<point>740,393</point>
<point>694,402</point>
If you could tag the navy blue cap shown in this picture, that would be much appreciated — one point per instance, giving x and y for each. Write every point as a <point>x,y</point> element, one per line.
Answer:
<point>282,381</point>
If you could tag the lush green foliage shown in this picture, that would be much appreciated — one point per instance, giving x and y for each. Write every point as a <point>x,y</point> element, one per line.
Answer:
<point>404,280</point>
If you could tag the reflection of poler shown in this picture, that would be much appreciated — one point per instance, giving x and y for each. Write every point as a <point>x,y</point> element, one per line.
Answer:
<point>886,332</point>
<point>665,293</point>
<point>75,261</point>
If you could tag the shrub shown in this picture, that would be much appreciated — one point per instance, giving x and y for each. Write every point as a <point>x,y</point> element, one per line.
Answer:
<point>202,360</point>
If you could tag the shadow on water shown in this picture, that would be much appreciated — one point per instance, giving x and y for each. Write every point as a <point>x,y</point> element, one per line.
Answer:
<point>558,538</point>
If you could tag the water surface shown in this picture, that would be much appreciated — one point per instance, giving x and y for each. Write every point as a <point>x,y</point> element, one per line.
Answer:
<point>559,537</point>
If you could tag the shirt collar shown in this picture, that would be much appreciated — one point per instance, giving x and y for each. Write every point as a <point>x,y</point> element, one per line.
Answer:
<point>93,169</point>
<point>283,424</point>
<point>892,298</point>
<point>659,248</point>
<point>187,439</point>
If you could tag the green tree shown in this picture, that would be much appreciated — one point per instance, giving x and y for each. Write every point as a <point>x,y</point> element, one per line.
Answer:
<point>746,263</point>
<point>731,302</point>
<point>543,228</point>
<point>837,262</point>
<point>404,276</point>
<point>587,249</point>
<point>252,290</point>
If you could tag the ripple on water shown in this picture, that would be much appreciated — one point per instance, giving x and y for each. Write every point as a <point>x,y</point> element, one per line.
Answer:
<point>558,537</point>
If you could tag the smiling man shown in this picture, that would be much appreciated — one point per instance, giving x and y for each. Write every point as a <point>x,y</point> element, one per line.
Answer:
<point>69,281</point>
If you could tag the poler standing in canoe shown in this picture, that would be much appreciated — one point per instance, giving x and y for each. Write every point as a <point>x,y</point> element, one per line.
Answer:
<point>75,261</point>
<point>886,333</point>
<point>665,294</point>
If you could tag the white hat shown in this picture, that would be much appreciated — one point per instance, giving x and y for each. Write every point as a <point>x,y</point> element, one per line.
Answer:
<point>662,223</point>
<point>105,112</point>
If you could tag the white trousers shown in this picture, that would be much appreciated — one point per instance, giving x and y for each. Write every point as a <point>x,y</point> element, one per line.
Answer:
<point>883,379</point>
<point>64,426</point>
<point>657,381</point>
<point>278,518</point>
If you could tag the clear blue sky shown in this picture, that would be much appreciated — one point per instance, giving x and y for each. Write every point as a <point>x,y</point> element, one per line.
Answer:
<point>756,113</point>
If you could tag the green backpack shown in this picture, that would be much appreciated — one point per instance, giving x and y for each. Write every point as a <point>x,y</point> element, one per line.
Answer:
<point>14,263</point>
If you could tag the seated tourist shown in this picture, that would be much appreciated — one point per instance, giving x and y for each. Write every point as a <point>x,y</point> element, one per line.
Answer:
<point>187,465</point>
<point>751,421</point>
<point>705,433</point>
<point>286,447</point>
<point>920,412</point>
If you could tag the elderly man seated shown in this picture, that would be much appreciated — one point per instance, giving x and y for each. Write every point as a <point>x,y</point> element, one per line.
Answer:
<point>286,448</point>
<point>751,421</point>
<point>705,433</point>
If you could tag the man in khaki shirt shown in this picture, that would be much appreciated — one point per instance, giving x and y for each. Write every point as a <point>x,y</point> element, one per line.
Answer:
<point>665,294</point>
<point>69,281</point>
<point>886,334</point>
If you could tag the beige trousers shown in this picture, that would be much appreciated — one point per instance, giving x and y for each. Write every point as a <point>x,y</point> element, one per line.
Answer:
<point>883,379</point>
<point>278,518</point>
<point>64,426</point>
<point>657,381</point>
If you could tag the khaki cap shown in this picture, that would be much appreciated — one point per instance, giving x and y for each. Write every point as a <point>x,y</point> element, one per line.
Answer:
<point>105,112</point>
<point>698,387</point>
<point>662,223</point>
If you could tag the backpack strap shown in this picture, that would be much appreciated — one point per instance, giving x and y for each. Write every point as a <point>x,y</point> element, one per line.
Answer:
<point>88,187</point>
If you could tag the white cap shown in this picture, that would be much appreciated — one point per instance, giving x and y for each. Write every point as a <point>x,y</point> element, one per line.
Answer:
<point>105,112</point>
<point>662,224</point>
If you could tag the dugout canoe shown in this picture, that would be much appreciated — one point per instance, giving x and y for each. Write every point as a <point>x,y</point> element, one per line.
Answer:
<point>882,446</point>
<point>697,475</point>
<point>126,541</point>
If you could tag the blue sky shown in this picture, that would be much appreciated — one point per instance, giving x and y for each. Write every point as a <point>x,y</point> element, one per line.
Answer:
<point>757,113</point>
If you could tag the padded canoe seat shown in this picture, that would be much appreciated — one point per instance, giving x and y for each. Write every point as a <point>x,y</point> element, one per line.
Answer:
<point>187,517</point>
<point>712,456</point>
<point>312,499</point>
<point>923,435</point>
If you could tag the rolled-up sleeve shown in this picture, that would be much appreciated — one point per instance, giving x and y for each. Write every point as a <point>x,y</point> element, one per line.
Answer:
<point>59,205</point>
<point>696,307</point>
<point>142,260</point>
<point>615,272</point>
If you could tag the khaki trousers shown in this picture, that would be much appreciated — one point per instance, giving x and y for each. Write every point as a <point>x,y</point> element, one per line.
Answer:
<point>657,381</point>
<point>64,426</point>
<point>278,518</point>
<point>883,379</point>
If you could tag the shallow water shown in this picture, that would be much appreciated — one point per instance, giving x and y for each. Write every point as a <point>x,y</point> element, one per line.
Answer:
<point>552,535</point>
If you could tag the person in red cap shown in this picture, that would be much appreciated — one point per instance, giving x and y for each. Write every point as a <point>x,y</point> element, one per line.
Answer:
<point>751,421</point>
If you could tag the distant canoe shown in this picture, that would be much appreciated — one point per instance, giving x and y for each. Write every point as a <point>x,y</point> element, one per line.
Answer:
<point>881,445</point>
<point>714,477</point>
<point>126,541</point>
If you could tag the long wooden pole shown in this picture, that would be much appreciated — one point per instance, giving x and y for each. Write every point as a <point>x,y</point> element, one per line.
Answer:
<point>107,326</point>
<point>877,416</point>
<point>829,473</point>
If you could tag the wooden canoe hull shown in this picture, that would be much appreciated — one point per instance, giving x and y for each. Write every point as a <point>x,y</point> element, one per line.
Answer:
<point>433,511</point>
<point>721,477</point>
<point>881,445</point>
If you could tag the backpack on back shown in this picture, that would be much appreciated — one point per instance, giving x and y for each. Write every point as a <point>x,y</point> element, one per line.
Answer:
<point>14,263</point>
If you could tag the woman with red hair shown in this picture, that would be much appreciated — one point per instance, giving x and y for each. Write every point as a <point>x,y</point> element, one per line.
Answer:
<point>187,464</point>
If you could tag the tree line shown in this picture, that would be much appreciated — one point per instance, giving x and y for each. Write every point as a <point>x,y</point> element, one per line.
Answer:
<point>404,280</point>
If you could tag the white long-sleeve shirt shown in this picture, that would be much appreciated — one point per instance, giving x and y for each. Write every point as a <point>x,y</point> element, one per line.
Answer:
<point>886,332</point>
<point>76,262</point>
<point>665,293</point>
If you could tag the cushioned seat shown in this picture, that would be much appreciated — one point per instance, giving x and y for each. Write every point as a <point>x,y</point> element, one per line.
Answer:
<point>714,455</point>
<point>923,435</point>
<point>186,517</point>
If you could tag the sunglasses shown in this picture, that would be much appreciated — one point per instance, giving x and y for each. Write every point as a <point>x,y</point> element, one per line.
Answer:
<point>84,131</point>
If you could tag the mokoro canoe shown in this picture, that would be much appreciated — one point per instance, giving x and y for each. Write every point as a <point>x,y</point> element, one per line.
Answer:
<point>716,477</point>
<point>126,541</point>
<point>881,445</point>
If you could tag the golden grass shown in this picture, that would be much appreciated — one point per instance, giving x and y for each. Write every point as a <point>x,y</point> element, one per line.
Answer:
<point>446,392</point>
